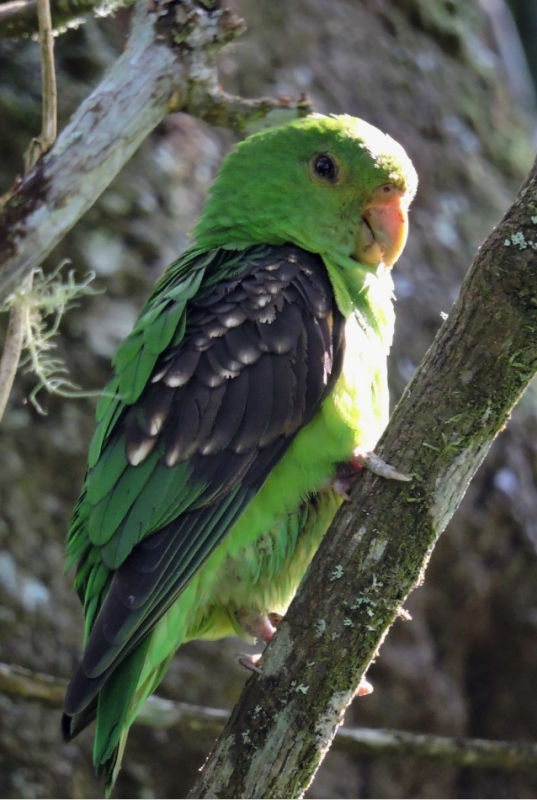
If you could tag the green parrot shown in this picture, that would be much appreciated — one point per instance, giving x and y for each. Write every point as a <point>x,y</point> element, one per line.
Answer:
<point>239,411</point>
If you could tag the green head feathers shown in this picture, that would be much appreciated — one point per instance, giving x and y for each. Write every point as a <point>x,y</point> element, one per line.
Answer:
<point>308,182</point>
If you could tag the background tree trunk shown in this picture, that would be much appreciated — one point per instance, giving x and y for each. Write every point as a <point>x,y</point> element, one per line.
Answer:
<point>429,74</point>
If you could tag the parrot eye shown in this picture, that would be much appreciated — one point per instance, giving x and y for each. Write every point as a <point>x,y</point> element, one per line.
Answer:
<point>325,167</point>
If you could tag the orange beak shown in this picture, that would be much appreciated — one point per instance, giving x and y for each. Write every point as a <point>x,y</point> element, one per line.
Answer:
<point>383,228</point>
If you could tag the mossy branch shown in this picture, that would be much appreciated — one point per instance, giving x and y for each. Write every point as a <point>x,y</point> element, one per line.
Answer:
<point>169,63</point>
<point>248,115</point>
<point>157,712</point>
<point>380,542</point>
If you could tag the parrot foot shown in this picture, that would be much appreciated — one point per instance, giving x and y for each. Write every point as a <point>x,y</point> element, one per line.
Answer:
<point>375,464</point>
<point>364,688</point>
<point>249,662</point>
<point>347,472</point>
<point>260,626</point>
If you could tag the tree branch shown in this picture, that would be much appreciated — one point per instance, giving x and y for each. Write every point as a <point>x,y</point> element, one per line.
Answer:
<point>240,114</point>
<point>380,542</point>
<point>169,62</point>
<point>49,100</point>
<point>377,743</point>
<point>20,682</point>
<point>18,314</point>
<point>455,751</point>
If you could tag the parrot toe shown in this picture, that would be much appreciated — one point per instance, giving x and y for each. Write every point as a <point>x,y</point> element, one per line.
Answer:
<point>375,464</point>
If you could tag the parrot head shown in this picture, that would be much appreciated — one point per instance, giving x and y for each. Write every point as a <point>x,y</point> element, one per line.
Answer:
<point>334,185</point>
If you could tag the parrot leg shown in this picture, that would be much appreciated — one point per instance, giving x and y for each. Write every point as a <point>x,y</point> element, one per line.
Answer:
<point>375,464</point>
<point>261,626</point>
<point>348,471</point>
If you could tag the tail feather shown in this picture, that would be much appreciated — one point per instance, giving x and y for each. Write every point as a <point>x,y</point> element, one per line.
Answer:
<point>110,770</point>
<point>113,709</point>
<point>73,724</point>
<point>114,705</point>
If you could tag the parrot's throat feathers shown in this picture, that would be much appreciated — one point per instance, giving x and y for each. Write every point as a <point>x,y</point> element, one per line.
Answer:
<point>364,293</point>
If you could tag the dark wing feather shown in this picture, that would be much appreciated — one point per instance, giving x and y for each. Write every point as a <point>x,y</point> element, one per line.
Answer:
<point>222,406</point>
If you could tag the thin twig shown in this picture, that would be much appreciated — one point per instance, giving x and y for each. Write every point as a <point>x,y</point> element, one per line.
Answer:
<point>15,336</point>
<point>158,712</point>
<point>12,352</point>
<point>48,76</point>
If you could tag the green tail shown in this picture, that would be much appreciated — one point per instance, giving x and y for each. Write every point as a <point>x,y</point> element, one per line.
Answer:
<point>114,707</point>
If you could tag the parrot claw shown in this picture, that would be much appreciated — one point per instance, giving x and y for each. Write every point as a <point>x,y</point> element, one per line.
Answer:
<point>375,464</point>
<point>249,662</point>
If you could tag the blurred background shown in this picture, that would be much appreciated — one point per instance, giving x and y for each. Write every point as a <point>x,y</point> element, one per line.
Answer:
<point>450,81</point>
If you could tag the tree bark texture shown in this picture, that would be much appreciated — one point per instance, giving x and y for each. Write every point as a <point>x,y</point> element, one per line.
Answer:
<point>466,665</point>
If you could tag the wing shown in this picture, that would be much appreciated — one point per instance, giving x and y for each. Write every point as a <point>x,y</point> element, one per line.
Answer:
<point>248,363</point>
